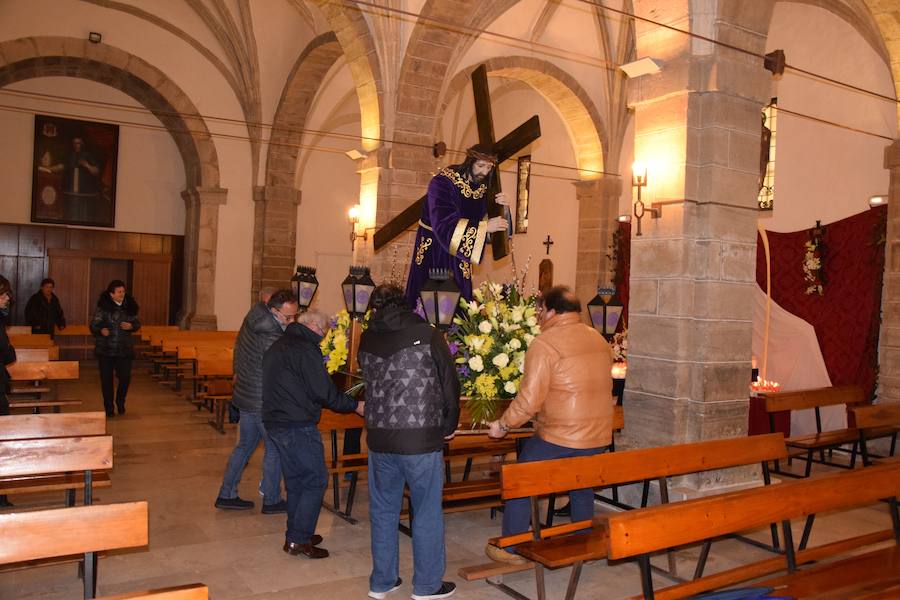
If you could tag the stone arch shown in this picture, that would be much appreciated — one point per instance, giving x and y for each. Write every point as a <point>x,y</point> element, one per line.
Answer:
<point>275,237</point>
<point>562,91</point>
<point>32,57</point>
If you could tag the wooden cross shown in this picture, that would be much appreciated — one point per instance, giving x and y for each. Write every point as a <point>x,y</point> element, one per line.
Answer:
<point>548,242</point>
<point>507,147</point>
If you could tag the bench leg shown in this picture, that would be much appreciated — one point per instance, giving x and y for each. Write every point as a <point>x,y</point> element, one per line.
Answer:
<point>70,498</point>
<point>646,576</point>
<point>468,469</point>
<point>90,575</point>
<point>539,581</point>
<point>551,506</point>
<point>807,530</point>
<point>809,462</point>
<point>645,493</point>
<point>701,562</point>
<point>789,546</point>
<point>573,581</point>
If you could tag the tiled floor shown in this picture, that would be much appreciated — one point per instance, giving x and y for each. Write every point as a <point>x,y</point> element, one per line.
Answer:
<point>166,453</point>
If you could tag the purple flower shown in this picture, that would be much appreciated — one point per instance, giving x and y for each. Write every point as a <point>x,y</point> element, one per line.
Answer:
<point>454,348</point>
<point>463,371</point>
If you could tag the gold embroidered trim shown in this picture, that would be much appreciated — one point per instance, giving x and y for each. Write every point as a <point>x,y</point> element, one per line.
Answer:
<point>464,188</point>
<point>479,241</point>
<point>466,269</point>
<point>424,244</point>
<point>457,237</point>
<point>424,226</point>
<point>468,242</point>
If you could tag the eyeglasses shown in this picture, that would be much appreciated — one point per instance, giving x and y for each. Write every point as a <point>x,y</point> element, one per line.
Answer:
<point>290,318</point>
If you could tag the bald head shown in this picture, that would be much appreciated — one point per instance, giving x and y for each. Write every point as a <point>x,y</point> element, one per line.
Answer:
<point>314,320</point>
<point>560,299</point>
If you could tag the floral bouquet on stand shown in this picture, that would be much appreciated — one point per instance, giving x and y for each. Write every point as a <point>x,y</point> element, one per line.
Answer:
<point>488,340</point>
<point>335,345</point>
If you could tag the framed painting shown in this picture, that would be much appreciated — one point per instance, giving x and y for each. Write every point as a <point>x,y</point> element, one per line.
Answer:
<point>74,172</point>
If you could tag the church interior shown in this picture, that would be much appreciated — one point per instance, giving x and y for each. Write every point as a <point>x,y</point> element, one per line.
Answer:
<point>722,177</point>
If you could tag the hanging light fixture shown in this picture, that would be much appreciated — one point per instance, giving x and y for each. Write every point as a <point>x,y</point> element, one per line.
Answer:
<point>304,284</point>
<point>358,288</point>
<point>440,296</point>
<point>605,310</point>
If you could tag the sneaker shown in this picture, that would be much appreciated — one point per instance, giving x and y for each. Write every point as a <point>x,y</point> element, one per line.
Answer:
<point>274,509</point>
<point>446,590</point>
<point>233,504</point>
<point>380,595</point>
<point>501,555</point>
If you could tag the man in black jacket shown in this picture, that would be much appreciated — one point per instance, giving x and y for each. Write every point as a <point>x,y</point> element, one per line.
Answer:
<point>296,386</point>
<point>43,310</point>
<point>262,326</point>
<point>412,406</point>
<point>7,356</point>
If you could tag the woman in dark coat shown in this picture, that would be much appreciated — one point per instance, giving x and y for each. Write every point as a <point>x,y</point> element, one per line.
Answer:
<point>43,310</point>
<point>113,326</point>
<point>7,354</point>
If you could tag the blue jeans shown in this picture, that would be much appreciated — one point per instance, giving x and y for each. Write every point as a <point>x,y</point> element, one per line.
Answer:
<point>252,430</point>
<point>305,478</point>
<point>517,513</point>
<point>424,474</point>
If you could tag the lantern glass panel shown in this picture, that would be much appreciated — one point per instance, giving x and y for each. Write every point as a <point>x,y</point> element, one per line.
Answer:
<point>447,301</point>
<point>429,304</point>
<point>613,314</point>
<point>305,292</point>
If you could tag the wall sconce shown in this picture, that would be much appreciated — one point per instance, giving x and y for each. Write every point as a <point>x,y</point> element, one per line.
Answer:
<point>94,37</point>
<point>878,201</point>
<point>639,180</point>
<point>623,219</point>
<point>353,216</point>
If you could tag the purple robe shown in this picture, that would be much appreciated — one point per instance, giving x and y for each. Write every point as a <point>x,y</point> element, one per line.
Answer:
<point>451,233</point>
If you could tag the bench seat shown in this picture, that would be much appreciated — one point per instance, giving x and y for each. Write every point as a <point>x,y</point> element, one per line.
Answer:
<point>35,484</point>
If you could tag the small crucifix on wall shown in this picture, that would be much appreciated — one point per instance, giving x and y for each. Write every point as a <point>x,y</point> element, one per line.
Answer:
<point>548,242</point>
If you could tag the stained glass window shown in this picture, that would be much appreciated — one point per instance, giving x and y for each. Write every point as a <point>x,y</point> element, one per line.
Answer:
<point>766,196</point>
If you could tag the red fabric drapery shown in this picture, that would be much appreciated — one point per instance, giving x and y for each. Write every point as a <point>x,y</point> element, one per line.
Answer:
<point>847,317</point>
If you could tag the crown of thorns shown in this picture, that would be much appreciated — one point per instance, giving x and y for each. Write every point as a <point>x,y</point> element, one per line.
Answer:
<point>480,152</point>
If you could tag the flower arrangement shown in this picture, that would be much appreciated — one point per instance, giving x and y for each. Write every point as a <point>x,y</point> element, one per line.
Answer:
<point>335,345</point>
<point>488,340</point>
<point>813,268</point>
<point>764,385</point>
<point>620,346</point>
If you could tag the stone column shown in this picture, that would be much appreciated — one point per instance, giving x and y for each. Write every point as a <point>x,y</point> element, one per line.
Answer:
<point>598,203</point>
<point>889,350</point>
<point>274,236</point>
<point>201,232</point>
<point>692,271</point>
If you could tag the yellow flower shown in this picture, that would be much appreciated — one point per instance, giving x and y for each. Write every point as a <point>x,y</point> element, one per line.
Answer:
<point>485,385</point>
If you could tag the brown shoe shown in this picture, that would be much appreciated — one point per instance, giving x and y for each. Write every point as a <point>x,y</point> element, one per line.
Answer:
<point>501,555</point>
<point>308,550</point>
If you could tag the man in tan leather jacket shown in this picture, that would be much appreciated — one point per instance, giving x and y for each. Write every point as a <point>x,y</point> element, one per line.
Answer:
<point>566,390</point>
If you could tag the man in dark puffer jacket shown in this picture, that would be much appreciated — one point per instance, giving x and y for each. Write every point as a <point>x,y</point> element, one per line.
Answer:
<point>262,326</point>
<point>115,321</point>
<point>412,406</point>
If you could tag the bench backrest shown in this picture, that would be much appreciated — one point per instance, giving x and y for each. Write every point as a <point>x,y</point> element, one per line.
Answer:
<point>223,350</point>
<point>221,367</point>
<point>51,425</point>
<point>801,399</point>
<point>877,415</point>
<point>18,330</point>
<point>73,330</point>
<point>519,480</point>
<point>31,340</point>
<point>222,339</point>
<point>33,354</point>
<point>334,421</point>
<point>37,535</point>
<point>55,455</point>
<point>196,591</point>
<point>160,338</point>
<point>147,330</point>
<point>648,530</point>
<point>38,371</point>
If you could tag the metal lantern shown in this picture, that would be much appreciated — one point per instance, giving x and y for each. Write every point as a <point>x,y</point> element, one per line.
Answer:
<point>440,296</point>
<point>358,288</point>
<point>304,284</point>
<point>605,310</point>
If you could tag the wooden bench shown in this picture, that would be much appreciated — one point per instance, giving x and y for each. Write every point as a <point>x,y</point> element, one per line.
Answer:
<point>215,374</point>
<point>330,423</point>
<point>18,330</point>
<point>557,546</point>
<point>641,533</point>
<point>39,375</point>
<point>819,442</point>
<point>29,466</point>
<point>34,355</point>
<point>876,421</point>
<point>188,354</point>
<point>36,535</point>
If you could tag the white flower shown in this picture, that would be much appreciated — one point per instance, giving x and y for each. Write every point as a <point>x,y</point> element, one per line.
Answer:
<point>476,342</point>
<point>518,313</point>
<point>501,360</point>
<point>473,308</point>
<point>515,344</point>
<point>528,338</point>
<point>496,289</point>
<point>485,327</point>
<point>531,322</point>
<point>509,387</point>
<point>520,362</point>
<point>476,364</point>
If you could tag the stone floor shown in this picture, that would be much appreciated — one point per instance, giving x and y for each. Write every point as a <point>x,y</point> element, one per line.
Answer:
<point>166,453</point>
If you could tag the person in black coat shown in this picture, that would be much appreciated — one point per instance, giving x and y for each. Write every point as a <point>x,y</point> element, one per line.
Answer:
<point>7,355</point>
<point>113,325</point>
<point>43,310</point>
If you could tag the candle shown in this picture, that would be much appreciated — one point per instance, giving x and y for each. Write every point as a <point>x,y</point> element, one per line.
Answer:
<point>619,369</point>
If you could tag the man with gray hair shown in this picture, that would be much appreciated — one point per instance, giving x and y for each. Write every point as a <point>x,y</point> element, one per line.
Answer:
<point>296,386</point>
<point>264,324</point>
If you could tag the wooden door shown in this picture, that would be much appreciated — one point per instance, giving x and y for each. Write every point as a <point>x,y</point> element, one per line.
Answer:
<point>72,276</point>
